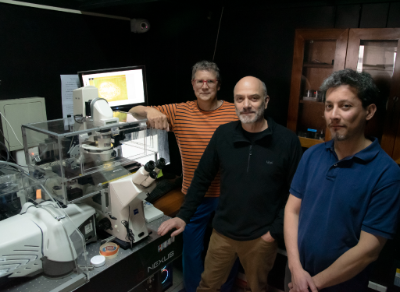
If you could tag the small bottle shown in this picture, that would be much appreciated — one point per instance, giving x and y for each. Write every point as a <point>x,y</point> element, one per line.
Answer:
<point>143,172</point>
<point>148,181</point>
<point>70,122</point>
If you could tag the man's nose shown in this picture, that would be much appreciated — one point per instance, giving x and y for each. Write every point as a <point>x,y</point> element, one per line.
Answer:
<point>205,85</point>
<point>246,103</point>
<point>335,113</point>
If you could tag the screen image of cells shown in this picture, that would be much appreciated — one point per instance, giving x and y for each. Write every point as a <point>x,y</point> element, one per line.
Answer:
<point>111,88</point>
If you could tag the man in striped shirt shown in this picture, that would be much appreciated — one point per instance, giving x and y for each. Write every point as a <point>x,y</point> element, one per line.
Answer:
<point>193,124</point>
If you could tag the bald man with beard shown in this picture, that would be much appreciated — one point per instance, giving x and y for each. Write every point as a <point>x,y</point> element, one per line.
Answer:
<point>257,159</point>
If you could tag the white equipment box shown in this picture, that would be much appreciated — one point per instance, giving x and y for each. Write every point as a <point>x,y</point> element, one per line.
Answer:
<point>19,112</point>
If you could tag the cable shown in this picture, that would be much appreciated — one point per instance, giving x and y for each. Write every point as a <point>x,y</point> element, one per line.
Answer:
<point>80,121</point>
<point>11,128</point>
<point>4,137</point>
<point>27,209</point>
<point>219,26</point>
<point>8,152</point>
<point>129,234</point>
<point>8,143</point>
<point>42,237</point>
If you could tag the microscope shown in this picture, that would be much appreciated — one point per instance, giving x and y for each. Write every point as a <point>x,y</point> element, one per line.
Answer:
<point>123,217</point>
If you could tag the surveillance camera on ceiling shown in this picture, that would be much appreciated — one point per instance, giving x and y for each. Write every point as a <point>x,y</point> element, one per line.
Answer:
<point>139,25</point>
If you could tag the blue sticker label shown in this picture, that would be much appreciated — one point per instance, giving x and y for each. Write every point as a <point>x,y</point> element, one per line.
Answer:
<point>136,211</point>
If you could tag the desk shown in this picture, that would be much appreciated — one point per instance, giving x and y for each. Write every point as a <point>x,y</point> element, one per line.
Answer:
<point>171,202</point>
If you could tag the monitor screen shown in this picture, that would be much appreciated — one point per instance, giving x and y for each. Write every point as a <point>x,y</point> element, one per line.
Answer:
<point>121,87</point>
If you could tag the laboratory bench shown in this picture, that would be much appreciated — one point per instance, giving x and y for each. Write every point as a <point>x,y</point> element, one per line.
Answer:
<point>128,270</point>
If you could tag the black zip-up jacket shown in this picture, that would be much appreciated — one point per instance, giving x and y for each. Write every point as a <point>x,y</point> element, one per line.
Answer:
<point>255,180</point>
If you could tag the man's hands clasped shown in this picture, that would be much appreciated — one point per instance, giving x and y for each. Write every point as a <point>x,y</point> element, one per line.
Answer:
<point>302,281</point>
<point>176,223</point>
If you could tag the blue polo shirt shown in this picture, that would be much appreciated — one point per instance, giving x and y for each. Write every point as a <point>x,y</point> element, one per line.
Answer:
<point>341,198</point>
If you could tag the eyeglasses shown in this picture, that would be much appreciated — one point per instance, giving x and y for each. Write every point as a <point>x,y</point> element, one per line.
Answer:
<point>210,82</point>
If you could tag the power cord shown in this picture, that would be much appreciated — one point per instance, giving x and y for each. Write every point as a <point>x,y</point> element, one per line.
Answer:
<point>11,128</point>
<point>80,120</point>
<point>219,27</point>
<point>129,233</point>
<point>7,151</point>
<point>129,236</point>
<point>8,143</point>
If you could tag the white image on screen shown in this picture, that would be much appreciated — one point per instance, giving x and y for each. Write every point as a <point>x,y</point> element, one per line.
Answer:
<point>109,90</point>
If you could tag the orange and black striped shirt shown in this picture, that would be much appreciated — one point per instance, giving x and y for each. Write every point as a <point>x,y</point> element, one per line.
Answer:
<point>193,129</point>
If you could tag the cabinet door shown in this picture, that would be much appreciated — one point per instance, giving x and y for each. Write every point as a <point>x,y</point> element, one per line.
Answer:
<point>317,53</point>
<point>374,51</point>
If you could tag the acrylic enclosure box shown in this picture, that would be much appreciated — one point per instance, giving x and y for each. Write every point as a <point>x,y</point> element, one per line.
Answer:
<point>76,159</point>
<point>15,190</point>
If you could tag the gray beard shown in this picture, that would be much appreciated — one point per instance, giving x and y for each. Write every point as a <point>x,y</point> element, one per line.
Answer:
<point>248,120</point>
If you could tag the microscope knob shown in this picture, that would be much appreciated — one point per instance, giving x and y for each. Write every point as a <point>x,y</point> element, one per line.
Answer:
<point>104,224</point>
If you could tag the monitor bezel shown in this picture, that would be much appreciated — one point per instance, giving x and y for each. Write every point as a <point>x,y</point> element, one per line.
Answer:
<point>125,107</point>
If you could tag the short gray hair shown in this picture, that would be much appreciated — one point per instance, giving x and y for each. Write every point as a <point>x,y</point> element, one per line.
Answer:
<point>206,66</point>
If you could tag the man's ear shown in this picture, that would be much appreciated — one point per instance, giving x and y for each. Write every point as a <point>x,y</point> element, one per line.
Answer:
<point>371,110</point>
<point>266,101</point>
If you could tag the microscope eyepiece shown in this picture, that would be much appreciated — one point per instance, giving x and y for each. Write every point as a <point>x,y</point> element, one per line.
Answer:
<point>160,163</point>
<point>153,174</point>
<point>149,166</point>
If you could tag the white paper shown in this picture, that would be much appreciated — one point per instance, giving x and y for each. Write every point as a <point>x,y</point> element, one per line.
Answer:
<point>68,84</point>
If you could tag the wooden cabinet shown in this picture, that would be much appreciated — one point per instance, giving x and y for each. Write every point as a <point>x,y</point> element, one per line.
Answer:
<point>318,53</point>
<point>374,51</point>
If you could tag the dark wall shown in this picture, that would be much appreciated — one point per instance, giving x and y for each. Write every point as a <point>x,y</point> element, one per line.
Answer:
<point>37,46</point>
<point>176,41</point>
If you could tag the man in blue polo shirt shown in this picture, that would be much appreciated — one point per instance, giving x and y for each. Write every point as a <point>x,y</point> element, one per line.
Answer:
<point>344,198</point>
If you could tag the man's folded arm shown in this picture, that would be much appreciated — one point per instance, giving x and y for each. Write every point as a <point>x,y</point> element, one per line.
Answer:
<point>352,262</point>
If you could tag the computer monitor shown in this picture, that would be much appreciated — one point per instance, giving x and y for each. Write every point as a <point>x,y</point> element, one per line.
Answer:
<point>123,87</point>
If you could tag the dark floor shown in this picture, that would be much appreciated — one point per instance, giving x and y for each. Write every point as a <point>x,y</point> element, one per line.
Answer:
<point>177,285</point>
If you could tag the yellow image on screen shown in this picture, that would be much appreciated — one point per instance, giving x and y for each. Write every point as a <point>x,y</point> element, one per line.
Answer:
<point>120,115</point>
<point>112,88</point>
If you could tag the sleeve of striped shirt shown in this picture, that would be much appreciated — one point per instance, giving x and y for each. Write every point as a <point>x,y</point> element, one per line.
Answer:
<point>170,111</point>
